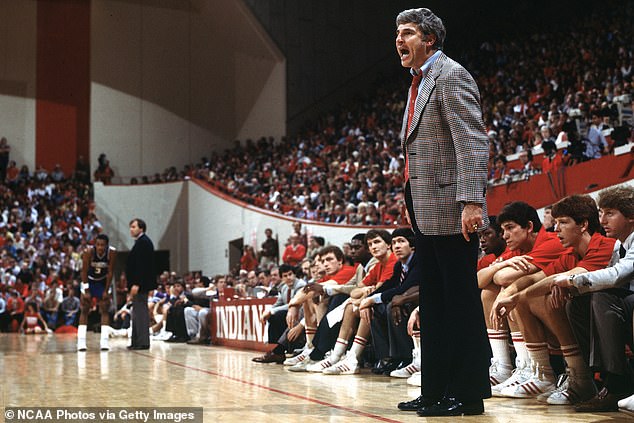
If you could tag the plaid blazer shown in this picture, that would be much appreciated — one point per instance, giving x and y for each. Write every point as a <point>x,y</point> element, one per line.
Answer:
<point>447,149</point>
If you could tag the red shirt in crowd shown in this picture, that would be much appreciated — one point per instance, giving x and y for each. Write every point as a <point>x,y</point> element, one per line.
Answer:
<point>293,255</point>
<point>248,262</point>
<point>15,305</point>
<point>553,165</point>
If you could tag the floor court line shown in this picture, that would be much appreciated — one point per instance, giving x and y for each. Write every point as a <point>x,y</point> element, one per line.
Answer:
<point>268,388</point>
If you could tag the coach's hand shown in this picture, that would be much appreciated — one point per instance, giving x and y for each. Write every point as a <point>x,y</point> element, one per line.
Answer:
<point>471,219</point>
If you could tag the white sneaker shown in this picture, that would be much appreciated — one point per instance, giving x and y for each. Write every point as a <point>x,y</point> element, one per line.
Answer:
<point>562,383</point>
<point>321,365</point>
<point>81,337</point>
<point>415,379</point>
<point>498,373</point>
<point>164,335</point>
<point>407,371</point>
<point>538,383</point>
<point>302,365</point>
<point>410,369</point>
<point>298,358</point>
<point>521,374</point>
<point>104,335</point>
<point>626,405</point>
<point>347,366</point>
<point>576,388</point>
<point>104,345</point>
<point>119,333</point>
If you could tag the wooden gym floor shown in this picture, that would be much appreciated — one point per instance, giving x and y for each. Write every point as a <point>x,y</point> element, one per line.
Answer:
<point>45,370</point>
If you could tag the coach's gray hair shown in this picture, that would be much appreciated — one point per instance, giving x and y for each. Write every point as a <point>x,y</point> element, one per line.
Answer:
<point>427,22</point>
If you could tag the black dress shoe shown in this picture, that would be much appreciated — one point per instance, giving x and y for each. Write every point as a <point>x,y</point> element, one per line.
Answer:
<point>602,402</point>
<point>393,365</point>
<point>381,366</point>
<point>138,347</point>
<point>269,357</point>
<point>175,338</point>
<point>199,341</point>
<point>378,367</point>
<point>416,404</point>
<point>452,407</point>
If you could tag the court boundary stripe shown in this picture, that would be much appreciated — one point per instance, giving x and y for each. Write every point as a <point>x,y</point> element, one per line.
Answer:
<point>277,391</point>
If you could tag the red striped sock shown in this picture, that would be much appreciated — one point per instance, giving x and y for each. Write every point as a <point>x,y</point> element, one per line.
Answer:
<point>358,346</point>
<point>538,353</point>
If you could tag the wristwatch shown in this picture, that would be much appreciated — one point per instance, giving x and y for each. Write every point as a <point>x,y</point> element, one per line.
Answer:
<point>571,279</point>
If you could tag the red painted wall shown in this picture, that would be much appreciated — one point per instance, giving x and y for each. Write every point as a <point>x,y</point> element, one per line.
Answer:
<point>62,83</point>
<point>578,179</point>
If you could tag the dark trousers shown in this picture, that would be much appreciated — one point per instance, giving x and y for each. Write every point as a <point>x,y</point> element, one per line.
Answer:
<point>175,321</point>
<point>388,339</point>
<point>50,317</point>
<point>140,321</point>
<point>284,345</point>
<point>277,326</point>
<point>602,324</point>
<point>4,322</point>
<point>456,354</point>
<point>326,336</point>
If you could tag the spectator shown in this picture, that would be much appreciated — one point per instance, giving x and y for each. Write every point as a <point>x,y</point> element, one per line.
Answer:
<point>69,309</point>
<point>315,243</point>
<point>15,307</point>
<point>12,174</point>
<point>196,311</point>
<point>57,175</point>
<point>4,314</point>
<point>248,261</point>
<point>294,252</point>
<point>526,159</point>
<point>500,171</point>
<point>82,170</point>
<point>32,321</point>
<point>269,252</point>
<point>104,172</point>
<point>5,149</point>
<point>597,144</point>
<point>552,161</point>
<point>50,307</point>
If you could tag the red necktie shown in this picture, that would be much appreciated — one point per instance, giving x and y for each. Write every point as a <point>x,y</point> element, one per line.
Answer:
<point>413,93</point>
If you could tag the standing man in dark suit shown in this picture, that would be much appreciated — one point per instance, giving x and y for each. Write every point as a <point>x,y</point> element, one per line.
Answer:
<point>139,271</point>
<point>446,154</point>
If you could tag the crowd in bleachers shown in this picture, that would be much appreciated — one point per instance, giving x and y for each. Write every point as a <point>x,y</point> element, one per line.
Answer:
<point>46,221</point>
<point>548,99</point>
